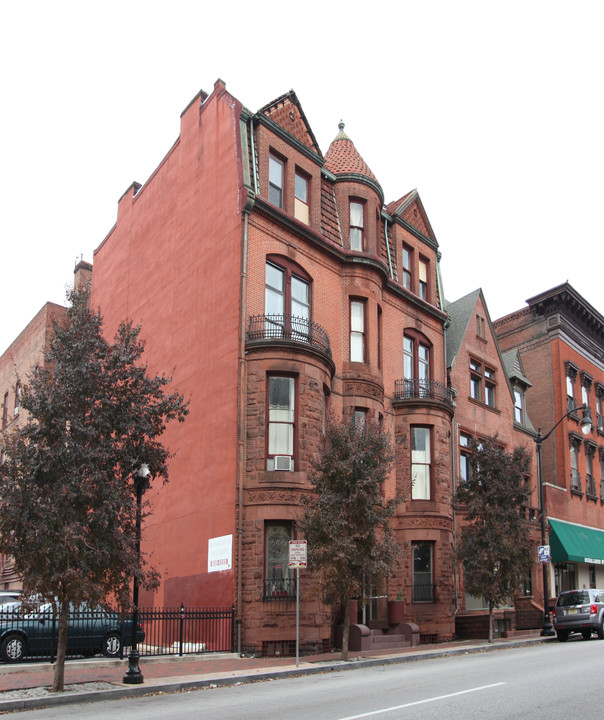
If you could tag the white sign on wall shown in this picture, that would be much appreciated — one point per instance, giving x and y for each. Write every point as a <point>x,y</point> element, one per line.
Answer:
<point>220,553</point>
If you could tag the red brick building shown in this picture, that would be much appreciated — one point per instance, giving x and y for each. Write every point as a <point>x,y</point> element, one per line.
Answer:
<point>560,338</point>
<point>283,290</point>
<point>23,355</point>
<point>488,385</point>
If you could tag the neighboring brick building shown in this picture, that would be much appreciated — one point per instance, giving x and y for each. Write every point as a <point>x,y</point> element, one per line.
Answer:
<point>282,290</point>
<point>560,339</point>
<point>487,386</point>
<point>23,355</point>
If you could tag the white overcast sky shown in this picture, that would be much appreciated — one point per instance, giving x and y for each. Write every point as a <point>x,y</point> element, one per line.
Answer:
<point>493,111</point>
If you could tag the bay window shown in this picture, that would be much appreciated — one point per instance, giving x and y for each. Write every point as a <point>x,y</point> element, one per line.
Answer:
<point>286,300</point>
<point>357,331</point>
<point>420,463</point>
<point>281,414</point>
<point>278,578</point>
<point>416,364</point>
<point>422,554</point>
<point>356,225</point>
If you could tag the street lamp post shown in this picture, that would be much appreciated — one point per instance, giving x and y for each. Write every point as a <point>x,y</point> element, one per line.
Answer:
<point>586,426</point>
<point>133,674</point>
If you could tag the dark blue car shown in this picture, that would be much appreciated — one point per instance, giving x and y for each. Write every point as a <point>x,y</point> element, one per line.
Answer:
<point>91,630</point>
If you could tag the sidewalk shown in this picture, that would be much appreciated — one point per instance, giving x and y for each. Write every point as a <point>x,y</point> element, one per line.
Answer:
<point>25,685</point>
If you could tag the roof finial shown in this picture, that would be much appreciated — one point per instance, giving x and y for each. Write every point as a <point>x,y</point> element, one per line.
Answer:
<point>341,125</point>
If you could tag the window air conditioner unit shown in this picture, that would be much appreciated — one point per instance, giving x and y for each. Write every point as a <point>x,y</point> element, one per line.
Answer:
<point>284,462</point>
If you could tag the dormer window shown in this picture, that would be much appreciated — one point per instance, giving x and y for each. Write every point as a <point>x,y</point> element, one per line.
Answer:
<point>276,175</point>
<point>407,265</point>
<point>423,278</point>
<point>301,207</point>
<point>356,225</point>
<point>519,405</point>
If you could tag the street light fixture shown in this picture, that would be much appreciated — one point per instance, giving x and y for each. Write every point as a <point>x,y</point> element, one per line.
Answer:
<point>586,426</point>
<point>133,674</point>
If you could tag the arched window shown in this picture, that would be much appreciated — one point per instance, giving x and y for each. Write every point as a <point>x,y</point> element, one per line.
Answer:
<point>286,298</point>
<point>417,363</point>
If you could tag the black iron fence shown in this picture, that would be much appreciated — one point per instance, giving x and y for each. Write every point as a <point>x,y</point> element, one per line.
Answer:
<point>180,630</point>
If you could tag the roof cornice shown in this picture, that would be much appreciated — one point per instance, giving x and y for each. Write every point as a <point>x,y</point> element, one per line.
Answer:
<point>344,256</point>
<point>358,178</point>
<point>566,300</point>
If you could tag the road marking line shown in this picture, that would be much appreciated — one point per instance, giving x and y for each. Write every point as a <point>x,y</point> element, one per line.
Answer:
<point>421,702</point>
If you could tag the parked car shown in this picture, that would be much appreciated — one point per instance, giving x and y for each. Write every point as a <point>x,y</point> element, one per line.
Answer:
<point>580,611</point>
<point>25,632</point>
<point>8,596</point>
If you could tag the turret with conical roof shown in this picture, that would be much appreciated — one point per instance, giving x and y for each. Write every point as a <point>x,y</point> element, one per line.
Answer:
<point>343,158</point>
<point>359,196</point>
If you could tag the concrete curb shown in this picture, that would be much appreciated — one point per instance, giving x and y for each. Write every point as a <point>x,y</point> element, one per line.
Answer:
<point>206,680</point>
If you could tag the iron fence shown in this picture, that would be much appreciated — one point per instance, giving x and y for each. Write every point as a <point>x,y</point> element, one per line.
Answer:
<point>182,630</point>
<point>26,632</point>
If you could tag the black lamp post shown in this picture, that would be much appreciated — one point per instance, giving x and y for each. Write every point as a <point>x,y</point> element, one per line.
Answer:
<point>133,674</point>
<point>586,426</point>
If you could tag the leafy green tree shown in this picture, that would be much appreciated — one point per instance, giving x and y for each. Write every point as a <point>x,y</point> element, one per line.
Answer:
<point>495,547</point>
<point>68,484</point>
<point>347,524</point>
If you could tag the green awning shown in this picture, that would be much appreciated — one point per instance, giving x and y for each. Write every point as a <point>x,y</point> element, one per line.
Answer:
<point>576,543</point>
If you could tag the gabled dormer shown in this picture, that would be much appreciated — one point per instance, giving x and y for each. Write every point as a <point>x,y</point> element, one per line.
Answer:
<point>416,249</point>
<point>286,160</point>
<point>520,384</point>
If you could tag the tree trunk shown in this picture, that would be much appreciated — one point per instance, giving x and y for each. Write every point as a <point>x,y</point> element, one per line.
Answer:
<point>346,633</point>
<point>58,682</point>
<point>490,622</point>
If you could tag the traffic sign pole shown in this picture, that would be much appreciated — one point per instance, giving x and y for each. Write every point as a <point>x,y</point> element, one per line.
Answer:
<point>297,560</point>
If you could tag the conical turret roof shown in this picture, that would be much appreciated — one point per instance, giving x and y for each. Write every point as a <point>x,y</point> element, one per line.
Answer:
<point>343,158</point>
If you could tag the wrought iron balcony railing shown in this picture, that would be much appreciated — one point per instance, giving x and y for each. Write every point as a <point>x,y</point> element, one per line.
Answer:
<point>282,589</point>
<point>413,389</point>
<point>288,327</point>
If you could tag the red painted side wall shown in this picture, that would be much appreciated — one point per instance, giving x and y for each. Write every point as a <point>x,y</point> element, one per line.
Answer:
<point>159,266</point>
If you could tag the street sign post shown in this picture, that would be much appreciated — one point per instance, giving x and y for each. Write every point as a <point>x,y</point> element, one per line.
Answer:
<point>297,560</point>
<point>543,554</point>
